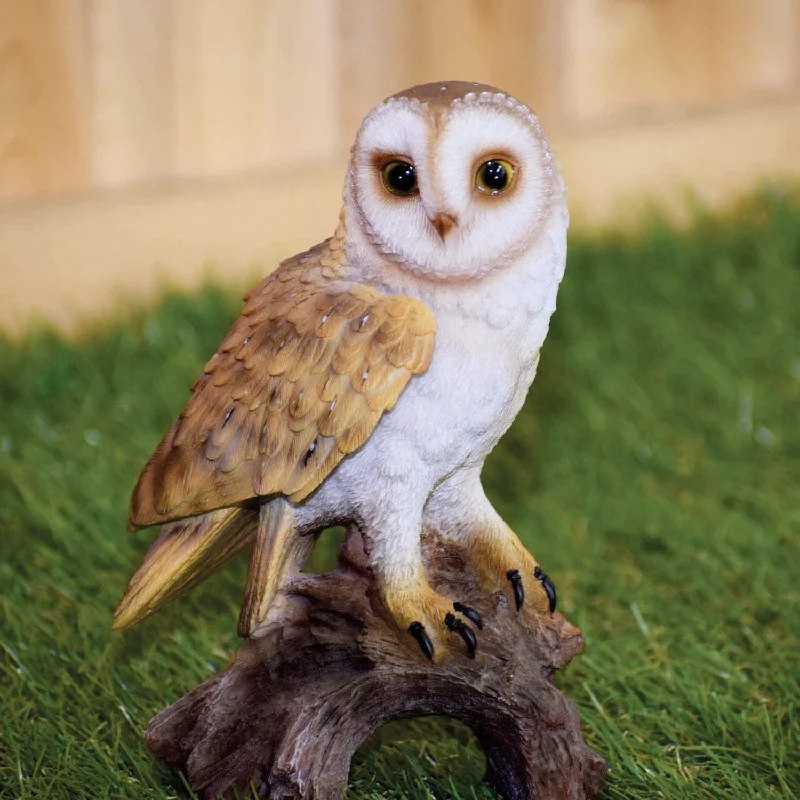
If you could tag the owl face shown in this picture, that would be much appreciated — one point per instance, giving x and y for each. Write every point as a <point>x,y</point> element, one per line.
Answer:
<point>451,179</point>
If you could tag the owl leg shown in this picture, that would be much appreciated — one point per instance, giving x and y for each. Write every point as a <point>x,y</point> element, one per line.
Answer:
<point>438,624</point>
<point>460,511</point>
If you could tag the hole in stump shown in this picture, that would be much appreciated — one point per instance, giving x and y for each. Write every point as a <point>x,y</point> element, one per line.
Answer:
<point>424,757</point>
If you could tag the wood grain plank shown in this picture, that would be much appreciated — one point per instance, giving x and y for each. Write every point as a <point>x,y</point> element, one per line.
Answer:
<point>43,144</point>
<point>300,48</point>
<point>375,59</point>
<point>507,43</point>
<point>216,68</point>
<point>131,75</point>
<point>389,46</point>
<point>638,59</point>
<point>255,83</point>
<point>757,44</point>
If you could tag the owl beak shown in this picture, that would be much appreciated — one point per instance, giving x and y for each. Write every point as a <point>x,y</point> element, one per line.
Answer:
<point>444,223</point>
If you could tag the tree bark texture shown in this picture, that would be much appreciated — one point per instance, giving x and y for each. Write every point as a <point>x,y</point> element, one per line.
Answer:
<point>325,671</point>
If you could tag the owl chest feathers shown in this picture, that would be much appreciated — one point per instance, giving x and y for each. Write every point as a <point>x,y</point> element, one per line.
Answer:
<point>488,339</point>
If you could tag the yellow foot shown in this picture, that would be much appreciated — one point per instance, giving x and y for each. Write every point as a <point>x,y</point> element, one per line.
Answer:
<point>435,622</point>
<point>503,563</point>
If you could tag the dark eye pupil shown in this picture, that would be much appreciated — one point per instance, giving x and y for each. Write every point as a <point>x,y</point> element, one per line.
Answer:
<point>495,175</point>
<point>401,177</point>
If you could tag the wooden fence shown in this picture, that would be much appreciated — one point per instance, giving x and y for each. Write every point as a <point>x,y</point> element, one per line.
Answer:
<point>141,138</point>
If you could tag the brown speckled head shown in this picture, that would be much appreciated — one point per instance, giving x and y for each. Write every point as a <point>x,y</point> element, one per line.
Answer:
<point>442,93</point>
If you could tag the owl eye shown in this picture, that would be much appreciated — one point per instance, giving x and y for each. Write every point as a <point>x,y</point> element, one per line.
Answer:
<point>494,176</point>
<point>400,177</point>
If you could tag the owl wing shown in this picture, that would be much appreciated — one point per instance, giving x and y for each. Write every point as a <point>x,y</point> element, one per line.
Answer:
<point>300,380</point>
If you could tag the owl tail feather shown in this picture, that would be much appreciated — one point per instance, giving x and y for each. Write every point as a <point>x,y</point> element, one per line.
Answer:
<point>185,552</point>
<point>277,552</point>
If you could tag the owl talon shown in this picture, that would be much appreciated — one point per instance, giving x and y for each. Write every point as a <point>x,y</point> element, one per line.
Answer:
<point>470,613</point>
<point>516,584</point>
<point>417,630</point>
<point>547,585</point>
<point>464,631</point>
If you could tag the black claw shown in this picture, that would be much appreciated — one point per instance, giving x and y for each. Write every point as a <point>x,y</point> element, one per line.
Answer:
<point>470,613</point>
<point>519,589</point>
<point>417,630</point>
<point>464,631</point>
<point>548,587</point>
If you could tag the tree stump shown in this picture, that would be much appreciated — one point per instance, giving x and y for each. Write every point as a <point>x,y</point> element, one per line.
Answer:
<point>325,671</point>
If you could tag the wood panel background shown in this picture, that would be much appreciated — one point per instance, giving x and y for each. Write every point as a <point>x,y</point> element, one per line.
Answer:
<point>150,124</point>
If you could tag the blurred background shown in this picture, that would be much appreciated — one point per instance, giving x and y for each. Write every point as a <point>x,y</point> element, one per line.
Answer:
<point>144,141</point>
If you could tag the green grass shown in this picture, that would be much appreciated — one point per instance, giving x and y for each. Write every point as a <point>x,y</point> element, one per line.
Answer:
<point>654,471</point>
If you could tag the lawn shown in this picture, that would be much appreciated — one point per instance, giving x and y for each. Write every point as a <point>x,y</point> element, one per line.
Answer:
<point>655,471</point>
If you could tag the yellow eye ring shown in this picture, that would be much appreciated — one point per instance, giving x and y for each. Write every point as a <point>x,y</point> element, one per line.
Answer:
<point>400,178</point>
<point>494,176</point>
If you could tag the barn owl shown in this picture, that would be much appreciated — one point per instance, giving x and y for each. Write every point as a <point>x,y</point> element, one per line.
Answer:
<point>367,379</point>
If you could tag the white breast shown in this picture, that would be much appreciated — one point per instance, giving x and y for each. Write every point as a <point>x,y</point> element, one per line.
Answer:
<point>487,348</point>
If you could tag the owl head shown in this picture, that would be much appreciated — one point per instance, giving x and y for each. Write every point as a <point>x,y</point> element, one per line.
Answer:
<point>451,180</point>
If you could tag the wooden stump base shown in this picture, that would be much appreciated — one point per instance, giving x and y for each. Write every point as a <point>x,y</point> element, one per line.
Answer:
<point>326,671</point>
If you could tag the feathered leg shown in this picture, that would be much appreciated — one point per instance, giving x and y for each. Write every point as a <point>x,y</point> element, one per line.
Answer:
<point>439,624</point>
<point>460,511</point>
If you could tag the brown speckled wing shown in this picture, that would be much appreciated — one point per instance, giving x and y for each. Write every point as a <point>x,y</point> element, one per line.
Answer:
<point>300,380</point>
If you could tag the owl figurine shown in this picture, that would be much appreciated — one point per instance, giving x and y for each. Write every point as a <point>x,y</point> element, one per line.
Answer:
<point>367,379</point>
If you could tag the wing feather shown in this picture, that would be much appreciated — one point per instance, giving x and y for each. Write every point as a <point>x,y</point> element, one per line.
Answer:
<point>301,380</point>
